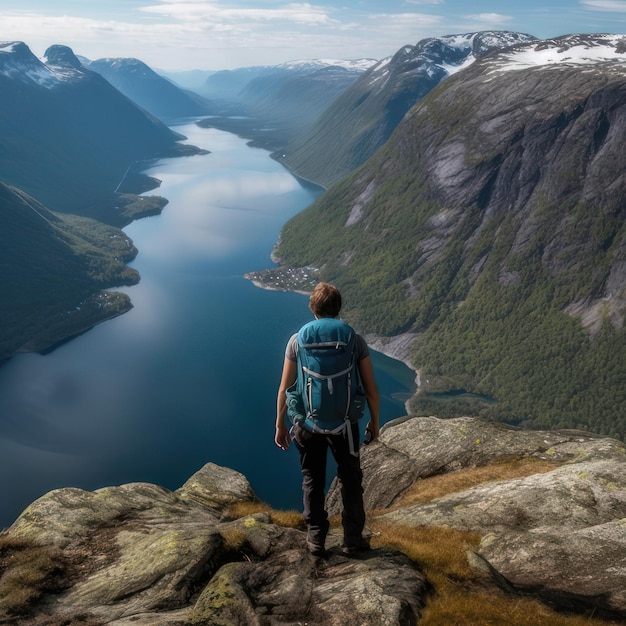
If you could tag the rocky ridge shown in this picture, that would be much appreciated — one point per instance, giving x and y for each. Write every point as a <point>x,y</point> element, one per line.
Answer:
<point>143,555</point>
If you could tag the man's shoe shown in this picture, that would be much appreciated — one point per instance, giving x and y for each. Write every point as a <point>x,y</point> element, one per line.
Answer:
<point>356,548</point>
<point>316,549</point>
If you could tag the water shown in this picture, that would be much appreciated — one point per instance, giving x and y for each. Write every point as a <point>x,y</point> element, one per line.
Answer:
<point>190,374</point>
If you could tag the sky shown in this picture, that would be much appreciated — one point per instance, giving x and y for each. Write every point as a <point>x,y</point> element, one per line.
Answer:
<point>176,35</point>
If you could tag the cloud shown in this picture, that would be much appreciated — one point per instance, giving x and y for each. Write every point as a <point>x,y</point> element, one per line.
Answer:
<point>212,12</point>
<point>618,6</point>
<point>490,18</point>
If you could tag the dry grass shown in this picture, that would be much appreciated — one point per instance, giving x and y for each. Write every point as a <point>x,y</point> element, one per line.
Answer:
<point>289,519</point>
<point>462,595</point>
<point>234,538</point>
<point>27,571</point>
<point>428,489</point>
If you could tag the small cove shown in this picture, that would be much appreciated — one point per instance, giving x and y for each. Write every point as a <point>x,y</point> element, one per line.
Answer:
<point>189,375</point>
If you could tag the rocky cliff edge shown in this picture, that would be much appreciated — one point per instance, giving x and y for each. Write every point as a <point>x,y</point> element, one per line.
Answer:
<point>546,511</point>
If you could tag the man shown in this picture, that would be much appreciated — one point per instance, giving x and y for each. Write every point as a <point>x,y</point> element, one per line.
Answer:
<point>325,301</point>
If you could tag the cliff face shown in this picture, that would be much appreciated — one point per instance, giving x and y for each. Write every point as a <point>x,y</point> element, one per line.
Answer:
<point>545,509</point>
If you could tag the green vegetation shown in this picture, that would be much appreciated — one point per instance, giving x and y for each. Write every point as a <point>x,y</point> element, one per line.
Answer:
<point>52,271</point>
<point>489,314</point>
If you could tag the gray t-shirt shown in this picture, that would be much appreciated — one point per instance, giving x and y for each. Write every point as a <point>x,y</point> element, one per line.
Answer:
<point>362,351</point>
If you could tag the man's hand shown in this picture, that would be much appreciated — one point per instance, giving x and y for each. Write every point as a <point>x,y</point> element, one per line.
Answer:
<point>372,427</point>
<point>282,437</point>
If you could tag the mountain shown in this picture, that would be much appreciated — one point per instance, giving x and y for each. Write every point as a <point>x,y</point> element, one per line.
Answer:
<point>489,231</point>
<point>188,79</point>
<point>52,272</point>
<point>68,136</point>
<point>154,93</point>
<point>284,99</point>
<point>227,84</point>
<point>363,117</point>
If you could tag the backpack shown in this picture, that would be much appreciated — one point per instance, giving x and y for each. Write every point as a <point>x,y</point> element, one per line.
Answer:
<point>327,394</point>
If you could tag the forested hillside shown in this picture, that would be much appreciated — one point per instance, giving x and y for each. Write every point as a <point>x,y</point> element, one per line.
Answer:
<point>491,225</point>
<point>51,280</point>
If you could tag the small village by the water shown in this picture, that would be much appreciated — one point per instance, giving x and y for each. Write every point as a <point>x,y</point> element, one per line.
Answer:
<point>299,279</point>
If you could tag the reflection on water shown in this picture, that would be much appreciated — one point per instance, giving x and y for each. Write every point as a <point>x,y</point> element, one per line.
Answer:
<point>190,374</point>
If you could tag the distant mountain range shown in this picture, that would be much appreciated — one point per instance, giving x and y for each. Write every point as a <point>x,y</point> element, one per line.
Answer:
<point>489,231</point>
<point>68,136</point>
<point>286,99</point>
<point>363,117</point>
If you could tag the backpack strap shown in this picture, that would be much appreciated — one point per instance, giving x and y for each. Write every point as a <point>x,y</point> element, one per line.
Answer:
<point>329,378</point>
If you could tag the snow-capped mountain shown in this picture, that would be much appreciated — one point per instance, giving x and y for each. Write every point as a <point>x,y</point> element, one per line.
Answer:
<point>365,115</point>
<point>570,50</point>
<point>68,136</point>
<point>19,64</point>
<point>353,65</point>
<point>435,58</point>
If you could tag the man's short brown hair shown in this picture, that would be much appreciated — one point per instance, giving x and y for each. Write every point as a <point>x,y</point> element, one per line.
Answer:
<point>325,301</point>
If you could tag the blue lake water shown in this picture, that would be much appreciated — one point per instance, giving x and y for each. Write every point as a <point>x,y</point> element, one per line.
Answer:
<point>190,374</point>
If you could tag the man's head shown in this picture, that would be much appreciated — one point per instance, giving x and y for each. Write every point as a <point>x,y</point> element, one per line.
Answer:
<point>325,301</point>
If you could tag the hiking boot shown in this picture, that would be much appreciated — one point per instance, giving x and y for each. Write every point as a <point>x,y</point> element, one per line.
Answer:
<point>363,545</point>
<point>315,548</point>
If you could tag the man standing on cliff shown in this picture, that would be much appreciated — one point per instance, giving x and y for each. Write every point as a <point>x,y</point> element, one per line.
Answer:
<point>325,302</point>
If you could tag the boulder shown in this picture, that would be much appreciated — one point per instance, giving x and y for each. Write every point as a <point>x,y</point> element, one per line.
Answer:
<point>571,497</point>
<point>559,534</point>
<point>576,569</point>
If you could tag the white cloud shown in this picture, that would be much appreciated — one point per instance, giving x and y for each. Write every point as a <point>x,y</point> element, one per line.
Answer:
<point>297,13</point>
<point>605,5</point>
<point>490,18</point>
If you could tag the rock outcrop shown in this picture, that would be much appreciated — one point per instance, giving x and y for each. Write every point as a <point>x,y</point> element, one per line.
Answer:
<point>560,533</point>
<point>209,553</point>
<point>142,555</point>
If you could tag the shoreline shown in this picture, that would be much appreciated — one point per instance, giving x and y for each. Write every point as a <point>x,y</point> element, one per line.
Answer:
<point>283,278</point>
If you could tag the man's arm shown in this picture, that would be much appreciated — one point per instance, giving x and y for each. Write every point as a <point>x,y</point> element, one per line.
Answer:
<point>366,370</point>
<point>282,437</point>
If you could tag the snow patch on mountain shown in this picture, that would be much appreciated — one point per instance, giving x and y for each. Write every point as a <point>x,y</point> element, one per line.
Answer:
<point>453,69</point>
<point>355,65</point>
<point>17,62</point>
<point>571,50</point>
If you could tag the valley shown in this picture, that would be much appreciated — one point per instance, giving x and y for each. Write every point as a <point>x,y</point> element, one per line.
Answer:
<point>481,212</point>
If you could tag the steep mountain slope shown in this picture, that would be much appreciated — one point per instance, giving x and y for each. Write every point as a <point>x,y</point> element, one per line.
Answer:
<point>67,136</point>
<point>154,93</point>
<point>52,270</point>
<point>286,98</point>
<point>491,225</point>
<point>363,117</point>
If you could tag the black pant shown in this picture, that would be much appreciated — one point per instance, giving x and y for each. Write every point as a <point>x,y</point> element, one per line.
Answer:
<point>312,448</point>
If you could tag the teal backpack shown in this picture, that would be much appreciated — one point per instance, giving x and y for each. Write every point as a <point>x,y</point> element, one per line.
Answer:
<point>327,394</point>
